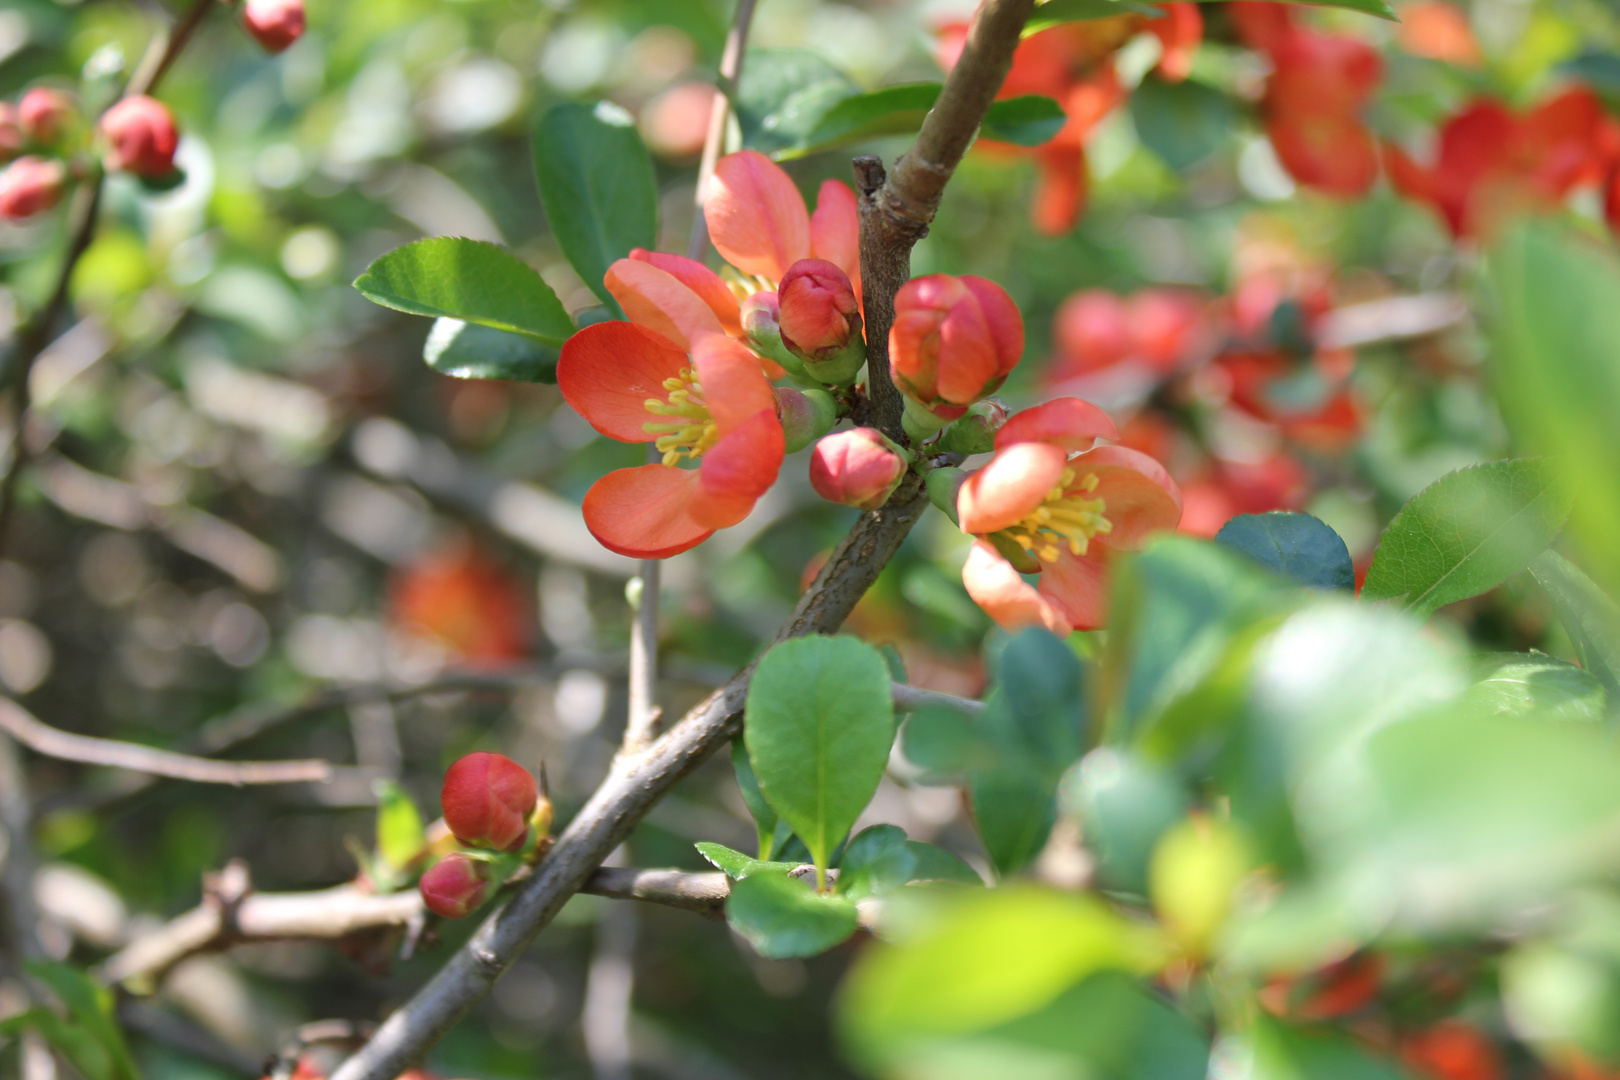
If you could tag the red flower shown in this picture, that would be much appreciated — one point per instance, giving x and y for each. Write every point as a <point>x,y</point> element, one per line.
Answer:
<point>44,113</point>
<point>1436,30</point>
<point>29,186</point>
<point>954,340</point>
<point>758,223</point>
<point>716,409</point>
<point>488,800</point>
<point>143,137</point>
<point>274,24</point>
<point>455,886</point>
<point>1453,1050</point>
<point>464,601</point>
<point>859,468</point>
<point>1095,329</point>
<point>1035,508</point>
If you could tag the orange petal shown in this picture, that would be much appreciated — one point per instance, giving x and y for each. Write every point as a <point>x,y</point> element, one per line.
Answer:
<point>609,370</point>
<point>737,470</point>
<point>1075,587</point>
<point>1004,594</point>
<point>734,385</point>
<point>756,215</point>
<point>1329,152</point>
<point>645,512</point>
<point>1179,32</point>
<point>659,301</point>
<point>1008,489</point>
<point>1068,422</point>
<point>701,280</point>
<point>1138,495</point>
<point>835,230</point>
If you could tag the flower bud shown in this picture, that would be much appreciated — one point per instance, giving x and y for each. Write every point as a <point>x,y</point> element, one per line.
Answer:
<point>954,340</point>
<point>456,885</point>
<point>975,433</point>
<point>944,484</point>
<point>806,415</point>
<point>30,185</point>
<point>762,331</point>
<point>274,24</point>
<point>44,114</point>
<point>11,135</point>
<point>143,137</point>
<point>820,320</point>
<point>859,468</point>
<point>487,800</point>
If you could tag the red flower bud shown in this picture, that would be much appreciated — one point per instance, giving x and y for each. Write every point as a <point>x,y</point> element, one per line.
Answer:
<point>143,137</point>
<point>487,800</point>
<point>11,135</point>
<point>454,886</point>
<point>859,468</point>
<point>29,186</point>
<point>274,24</point>
<point>954,339</point>
<point>44,113</point>
<point>820,316</point>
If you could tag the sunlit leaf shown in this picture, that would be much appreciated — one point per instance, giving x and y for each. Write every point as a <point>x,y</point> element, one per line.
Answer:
<point>1590,617</point>
<point>466,350</point>
<point>469,280</point>
<point>782,917</point>
<point>1297,546</point>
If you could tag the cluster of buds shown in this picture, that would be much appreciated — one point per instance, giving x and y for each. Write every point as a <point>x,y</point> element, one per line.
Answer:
<point>496,811</point>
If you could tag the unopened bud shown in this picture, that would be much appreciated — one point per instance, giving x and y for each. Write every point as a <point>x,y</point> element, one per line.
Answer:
<point>456,885</point>
<point>762,330</point>
<point>44,114</point>
<point>487,800</point>
<point>859,468</point>
<point>11,135</point>
<point>975,433</point>
<point>542,816</point>
<point>821,320</point>
<point>806,415</point>
<point>943,486</point>
<point>954,339</point>
<point>274,24</point>
<point>142,135</point>
<point>29,186</point>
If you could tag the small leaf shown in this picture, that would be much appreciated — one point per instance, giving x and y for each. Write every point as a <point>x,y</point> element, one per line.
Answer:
<point>470,280</point>
<point>765,819</point>
<point>1024,121</point>
<point>1531,684</point>
<point>734,863</point>
<point>1014,808</point>
<point>1056,12</point>
<point>1125,805</point>
<point>1590,617</point>
<point>1297,546</point>
<point>1183,122</point>
<point>940,741</point>
<point>598,187</point>
<point>781,917</point>
<point>1467,533</point>
<point>783,95</point>
<point>1040,680</point>
<point>893,110</point>
<point>90,1009</point>
<point>819,725</point>
<point>936,864</point>
<point>875,861</point>
<point>464,350</point>
<point>400,835</point>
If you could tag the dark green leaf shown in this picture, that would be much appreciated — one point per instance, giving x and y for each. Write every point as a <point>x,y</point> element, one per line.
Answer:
<point>1025,121</point>
<point>598,187</point>
<point>781,917</point>
<point>468,280</point>
<point>1182,122</point>
<point>1297,546</point>
<point>1012,791</point>
<point>1467,533</point>
<point>80,1047</point>
<point>1040,682</point>
<point>1530,684</point>
<point>819,725</point>
<point>875,861</point>
<point>90,1009</point>
<point>765,820</point>
<point>734,863</point>
<point>1286,1052</point>
<point>893,110</point>
<point>466,350</point>
<point>937,864</point>
<point>1599,70</point>
<point>1590,617</point>
<point>783,96</point>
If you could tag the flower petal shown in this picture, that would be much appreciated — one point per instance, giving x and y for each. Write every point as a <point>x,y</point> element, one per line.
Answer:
<point>756,216</point>
<point>608,371</point>
<point>737,470</point>
<point>660,302</point>
<point>1139,496</point>
<point>968,357</point>
<point>1005,491</point>
<point>1004,594</point>
<point>645,512</point>
<point>701,280</point>
<point>1002,317</point>
<point>1070,422</point>
<point>734,385</point>
<point>1075,587</point>
<point>835,230</point>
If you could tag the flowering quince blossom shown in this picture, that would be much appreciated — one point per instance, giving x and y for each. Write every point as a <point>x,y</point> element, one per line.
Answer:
<point>1040,506</point>
<point>954,341</point>
<point>488,800</point>
<point>30,185</point>
<point>142,135</point>
<point>455,886</point>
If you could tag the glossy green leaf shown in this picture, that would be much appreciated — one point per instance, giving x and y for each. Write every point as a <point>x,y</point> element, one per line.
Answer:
<point>1014,808</point>
<point>1056,12</point>
<point>1291,1052</point>
<point>464,350</point>
<point>819,725</point>
<point>783,95</point>
<point>469,280</point>
<point>1029,120</point>
<point>400,833</point>
<point>765,819</point>
<point>876,860</point>
<point>597,185</point>
<point>1556,354</point>
<point>1297,546</point>
<point>1590,617</point>
<point>1182,122</point>
<point>936,864</point>
<point>782,917</point>
<point>899,110</point>
<point>1534,685</point>
<point>734,863</point>
<point>1467,533</point>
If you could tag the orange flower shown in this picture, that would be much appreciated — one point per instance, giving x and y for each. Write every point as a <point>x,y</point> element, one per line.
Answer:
<point>758,223</point>
<point>954,340</point>
<point>464,601</point>
<point>1095,329</point>
<point>710,404</point>
<point>1437,30</point>
<point>1453,1050</point>
<point>1036,509</point>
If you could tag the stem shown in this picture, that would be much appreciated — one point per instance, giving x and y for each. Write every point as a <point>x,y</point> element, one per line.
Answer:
<point>731,61</point>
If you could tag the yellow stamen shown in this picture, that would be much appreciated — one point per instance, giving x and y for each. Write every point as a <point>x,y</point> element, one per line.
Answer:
<point>743,285</point>
<point>1063,520</point>
<point>691,430</point>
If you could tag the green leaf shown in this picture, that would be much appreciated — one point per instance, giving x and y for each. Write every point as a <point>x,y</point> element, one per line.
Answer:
<point>1467,533</point>
<point>1556,355</point>
<point>819,725</point>
<point>765,820</point>
<point>1590,617</point>
<point>464,350</point>
<point>1040,682</point>
<point>876,860</point>
<point>1124,804</point>
<point>598,187</point>
<point>1297,546</point>
<point>1534,685</point>
<point>400,835</point>
<point>899,110</point>
<point>1014,808</point>
<point>781,917</point>
<point>1056,12</point>
<point>783,96</point>
<point>1287,1052</point>
<point>735,864</point>
<point>80,1047</point>
<point>470,280</point>
<point>1182,122</point>
<point>90,1009</point>
<point>937,864</point>
<point>1029,120</point>
<point>940,741</point>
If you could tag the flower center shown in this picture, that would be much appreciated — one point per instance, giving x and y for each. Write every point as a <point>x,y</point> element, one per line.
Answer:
<point>690,429</point>
<point>1065,519</point>
<point>743,285</point>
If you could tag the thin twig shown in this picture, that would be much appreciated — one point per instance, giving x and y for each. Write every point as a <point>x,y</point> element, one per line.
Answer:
<point>730,73</point>
<point>911,698</point>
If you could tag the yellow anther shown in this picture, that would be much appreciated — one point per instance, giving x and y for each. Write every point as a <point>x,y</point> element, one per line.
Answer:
<point>743,285</point>
<point>1063,521</point>
<point>690,430</point>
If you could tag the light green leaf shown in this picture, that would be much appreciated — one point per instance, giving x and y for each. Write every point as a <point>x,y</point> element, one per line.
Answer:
<point>470,280</point>
<point>90,1009</point>
<point>735,864</point>
<point>875,861</point>
<point>1297,546</point>
<point>781,917</point>
<point>400,835</point>
<point>1467,533</point>
<point>765,819</point>
<point>464,350</point>
<point>819,725</point>
<point>1534,685</point>
<point>1124,804</point>
<point>1590,617</point>
<point>598,187</point>
<point>1056,12</point>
